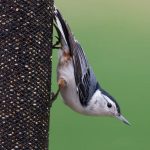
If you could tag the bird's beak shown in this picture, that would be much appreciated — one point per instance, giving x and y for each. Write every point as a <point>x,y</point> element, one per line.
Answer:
<point>123,119</point>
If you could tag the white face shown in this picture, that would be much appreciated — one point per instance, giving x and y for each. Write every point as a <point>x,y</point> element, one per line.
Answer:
<point>109,107</point>
<point>102,105</point>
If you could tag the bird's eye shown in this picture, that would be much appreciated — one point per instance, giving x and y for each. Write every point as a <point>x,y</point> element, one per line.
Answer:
<point>109,105</point>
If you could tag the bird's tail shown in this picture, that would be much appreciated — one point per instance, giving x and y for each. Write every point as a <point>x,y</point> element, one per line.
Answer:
<point>63,29</point>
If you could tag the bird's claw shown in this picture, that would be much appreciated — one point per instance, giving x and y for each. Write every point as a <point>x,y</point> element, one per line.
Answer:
<point>55,46</point>
<point>57,37</point>
<point>54,95</point>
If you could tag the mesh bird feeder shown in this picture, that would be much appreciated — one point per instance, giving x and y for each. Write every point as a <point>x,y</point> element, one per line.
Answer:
<point>25,73</point>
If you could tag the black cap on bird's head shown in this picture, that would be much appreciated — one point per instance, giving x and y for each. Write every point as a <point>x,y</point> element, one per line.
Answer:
<point>118,115</point>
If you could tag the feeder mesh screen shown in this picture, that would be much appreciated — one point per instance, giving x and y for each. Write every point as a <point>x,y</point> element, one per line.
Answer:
<point>25,69</point>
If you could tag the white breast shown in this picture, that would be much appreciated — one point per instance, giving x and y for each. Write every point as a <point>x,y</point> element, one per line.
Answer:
<point>69,93</point>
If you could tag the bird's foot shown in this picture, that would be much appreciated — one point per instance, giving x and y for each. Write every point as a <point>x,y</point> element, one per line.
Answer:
<point>54,95</point>
<point>55,46</point>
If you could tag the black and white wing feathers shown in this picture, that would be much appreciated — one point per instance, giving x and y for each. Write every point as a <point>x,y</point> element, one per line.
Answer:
<point>81,73</point>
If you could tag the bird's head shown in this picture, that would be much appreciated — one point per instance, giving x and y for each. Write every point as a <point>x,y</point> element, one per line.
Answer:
<point>104,104</point>
<point>112,108</point>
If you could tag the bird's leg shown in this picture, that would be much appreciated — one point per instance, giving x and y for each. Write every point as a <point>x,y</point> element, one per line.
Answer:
<point>57,43</point>
<point>61,83</point>
<point>54,95</point>
<point>57,37</point>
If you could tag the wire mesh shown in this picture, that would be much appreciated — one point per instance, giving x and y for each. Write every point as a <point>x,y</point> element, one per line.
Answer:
<point>25,70</point>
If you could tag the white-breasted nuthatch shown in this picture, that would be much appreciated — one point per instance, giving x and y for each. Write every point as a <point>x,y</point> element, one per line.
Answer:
<point>77,83</point>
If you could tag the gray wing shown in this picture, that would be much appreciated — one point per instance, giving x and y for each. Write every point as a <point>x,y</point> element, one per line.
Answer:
<point>81,72</point>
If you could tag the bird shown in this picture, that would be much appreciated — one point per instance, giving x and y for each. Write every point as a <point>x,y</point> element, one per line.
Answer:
<point>76,80</point>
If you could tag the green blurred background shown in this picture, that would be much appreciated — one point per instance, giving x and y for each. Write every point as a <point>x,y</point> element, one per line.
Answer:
<point>116,37</point>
